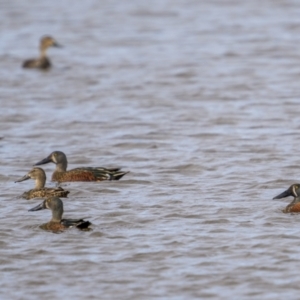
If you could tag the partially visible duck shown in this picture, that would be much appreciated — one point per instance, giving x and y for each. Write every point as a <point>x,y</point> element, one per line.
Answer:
<point>57,223</point>
<point>42,62</point>
<point>293,190</point>
<point>79,174</point>
<point>40,191</point>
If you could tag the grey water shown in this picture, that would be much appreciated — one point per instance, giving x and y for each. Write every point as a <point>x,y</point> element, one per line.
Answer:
<point>199,100</point>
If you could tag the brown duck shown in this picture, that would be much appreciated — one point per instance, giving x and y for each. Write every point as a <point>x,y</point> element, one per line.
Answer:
<point>79,174</point>
<point>293,190</point>
<point>42,62</point>
<point>57,223</point>
<point>40,191</point>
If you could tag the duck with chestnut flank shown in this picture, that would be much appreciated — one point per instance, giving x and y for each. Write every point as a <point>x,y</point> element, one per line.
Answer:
<point>42,62</point>
<point>61,174</point>
<point>57,223</point>
<point>40,191</point>
<point>293,190</point>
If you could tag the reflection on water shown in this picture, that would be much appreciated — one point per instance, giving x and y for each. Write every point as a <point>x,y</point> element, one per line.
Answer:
<point>200,102</point>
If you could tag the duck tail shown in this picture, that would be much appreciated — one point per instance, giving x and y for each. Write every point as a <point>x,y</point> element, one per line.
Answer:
<point>113,169</point>
<point>84,225</point>
<point>117,175</point>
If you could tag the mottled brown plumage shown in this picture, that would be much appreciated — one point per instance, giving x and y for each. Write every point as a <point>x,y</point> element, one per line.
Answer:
<point>293,206</point>
<point>293,190</point>
<point>79,174</point>
<point>40,191</point>
<point>53,226</point>
<point>45,192</point>
<point>57,224</point>
<point>43,61</point>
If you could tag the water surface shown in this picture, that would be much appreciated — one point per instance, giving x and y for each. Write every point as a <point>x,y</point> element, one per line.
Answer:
<point>199,100</point>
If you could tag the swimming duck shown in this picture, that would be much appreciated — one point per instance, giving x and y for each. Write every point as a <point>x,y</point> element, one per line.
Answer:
<point>57,224</point>
<point>293,190</point>
<point>79,174</point>
<point>40,191</point>
<point>43,61</point>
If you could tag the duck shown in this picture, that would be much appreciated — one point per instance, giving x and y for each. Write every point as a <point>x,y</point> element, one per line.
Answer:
<point>43,62</point>
<point>293,190</point>
<point>40,191</point>
<point>57,223</point>
<point>61,174</point>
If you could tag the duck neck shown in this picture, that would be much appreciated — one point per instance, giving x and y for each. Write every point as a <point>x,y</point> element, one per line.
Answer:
<point>296,200</point>
<point>43,52</point>
<point>40,182</point>
<point>56,215</point>
<point>61,167</point>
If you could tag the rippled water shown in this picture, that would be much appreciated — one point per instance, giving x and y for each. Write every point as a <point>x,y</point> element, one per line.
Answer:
<point>199,100</point>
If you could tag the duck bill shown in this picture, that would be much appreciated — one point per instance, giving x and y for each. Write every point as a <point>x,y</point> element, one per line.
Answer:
<point>57,45</point>
<point>38,207</point>
<point>23,178</point>
<point>44,161</point>
<point>284,194</point>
